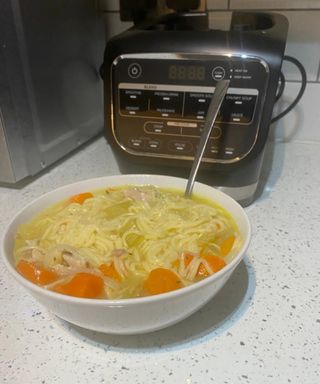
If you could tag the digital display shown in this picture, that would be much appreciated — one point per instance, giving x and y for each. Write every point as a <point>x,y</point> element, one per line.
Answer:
<point>187,72</point>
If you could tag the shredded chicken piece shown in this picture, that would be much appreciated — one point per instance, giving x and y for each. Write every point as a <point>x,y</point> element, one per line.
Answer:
<point>74,260</point>
<point>189,272</point>
<point>30,253</point>
<point>135,194</point>
<point>37,254</point>
<point>67,270</point>
<point>118,252</point>
<point>119,266</point>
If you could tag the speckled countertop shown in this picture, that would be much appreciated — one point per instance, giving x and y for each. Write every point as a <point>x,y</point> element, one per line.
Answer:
<point>263,326</point>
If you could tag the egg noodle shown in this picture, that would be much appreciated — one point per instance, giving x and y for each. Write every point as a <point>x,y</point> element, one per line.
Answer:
<point>137,228</point>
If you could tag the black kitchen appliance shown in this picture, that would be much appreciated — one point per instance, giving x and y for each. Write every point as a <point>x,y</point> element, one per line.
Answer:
<point>159,78</point>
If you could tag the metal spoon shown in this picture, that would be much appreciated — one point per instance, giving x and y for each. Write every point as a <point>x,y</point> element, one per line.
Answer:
<point>214,106</point>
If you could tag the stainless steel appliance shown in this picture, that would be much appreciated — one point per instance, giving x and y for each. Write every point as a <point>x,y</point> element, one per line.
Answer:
<point>160,77</point>
<point>51,97</point>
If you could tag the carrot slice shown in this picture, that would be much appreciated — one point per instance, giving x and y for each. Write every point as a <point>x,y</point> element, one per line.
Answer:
<point>175,263</point>
<point>227,245</point>
<point>82,284</point>
<point>35,273</point>
<point>80,198</point>
<point>187,257</point>
<point>215,262</point>
<point>187,260</point>
<point>109,270</point>
<point>161,280</point>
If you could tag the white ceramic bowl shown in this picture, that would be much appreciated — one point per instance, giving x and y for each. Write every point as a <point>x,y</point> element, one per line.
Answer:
<point>128,316</point>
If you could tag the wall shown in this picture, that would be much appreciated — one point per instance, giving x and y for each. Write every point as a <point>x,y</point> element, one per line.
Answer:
<point>303,43</point>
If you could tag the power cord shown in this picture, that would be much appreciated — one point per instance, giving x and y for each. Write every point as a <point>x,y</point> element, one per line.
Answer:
<point>282,85</point>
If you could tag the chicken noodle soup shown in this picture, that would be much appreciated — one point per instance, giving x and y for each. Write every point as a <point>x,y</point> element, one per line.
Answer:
<point>125,242</point>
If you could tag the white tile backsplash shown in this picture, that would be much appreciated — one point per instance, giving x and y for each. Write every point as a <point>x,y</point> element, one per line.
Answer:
<point>219,20</point>
<point>302,123</point>
<point>114,25</point>
<point>274,4</point>
<point>113,5</point>
<point>303,43</point>
<point>109,5</point>
<point>217,4</point>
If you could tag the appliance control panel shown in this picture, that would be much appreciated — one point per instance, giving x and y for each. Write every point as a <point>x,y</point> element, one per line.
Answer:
<point>159,105</point>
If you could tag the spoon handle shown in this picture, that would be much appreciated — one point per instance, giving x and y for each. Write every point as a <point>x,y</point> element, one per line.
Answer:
<point>214,106</point>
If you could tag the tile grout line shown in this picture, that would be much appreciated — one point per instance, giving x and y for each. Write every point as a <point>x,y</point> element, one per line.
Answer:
<point>299,81</point>
<point>318,74</point>
<point>274,9</point>
<point>243,9</point>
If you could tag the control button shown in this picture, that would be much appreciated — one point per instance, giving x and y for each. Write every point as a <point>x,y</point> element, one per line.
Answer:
<point>180,146</point>
<point>236,117</point>
<point>135,142</point>
<point>133,102</point>
<point>196,105</point>
<point>229,152</point>
<point>216,133</point>
<point>153,144</point>
<point>160,128</point>
<point>212,150</point>
<point>238,109</point>
<point>166,104</point>
<point>151,127</point>
<point>134,70</point>
<point>218,73</point>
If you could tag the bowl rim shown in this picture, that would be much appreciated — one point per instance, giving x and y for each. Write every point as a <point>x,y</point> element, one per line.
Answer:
<point>37,289</point>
